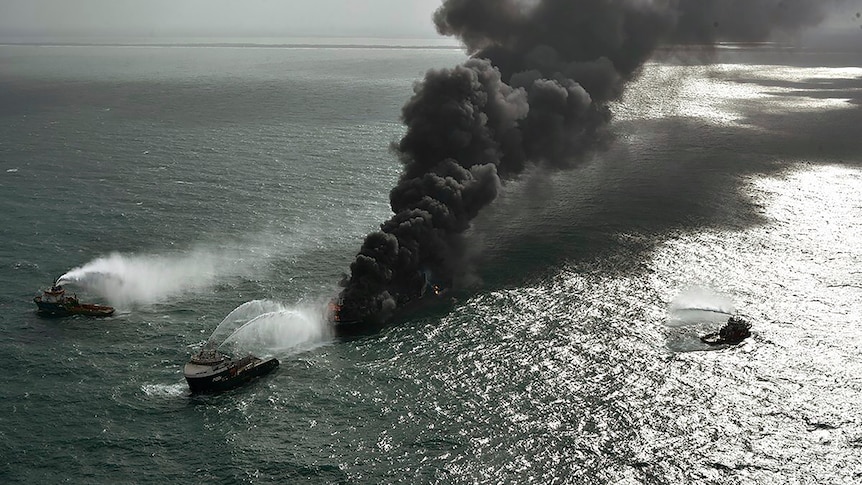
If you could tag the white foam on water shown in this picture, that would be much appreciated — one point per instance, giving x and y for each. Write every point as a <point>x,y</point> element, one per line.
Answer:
<point>165,390</point>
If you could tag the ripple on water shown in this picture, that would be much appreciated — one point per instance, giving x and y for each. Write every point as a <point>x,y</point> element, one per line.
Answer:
<point>572,378</point>
<point>779,406</point>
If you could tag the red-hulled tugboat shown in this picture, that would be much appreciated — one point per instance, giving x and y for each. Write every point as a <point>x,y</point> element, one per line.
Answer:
<point>733,332</point>
<point>212,371</point>
<point>54,303</point>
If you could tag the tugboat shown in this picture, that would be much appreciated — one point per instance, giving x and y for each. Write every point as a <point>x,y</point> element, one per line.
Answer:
<point>733,332</point>
<point>212,371</point>
<point>53,302</point>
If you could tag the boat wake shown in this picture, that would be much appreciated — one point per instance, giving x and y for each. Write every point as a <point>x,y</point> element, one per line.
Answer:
<point>165,390</point>
<point>266,327</point>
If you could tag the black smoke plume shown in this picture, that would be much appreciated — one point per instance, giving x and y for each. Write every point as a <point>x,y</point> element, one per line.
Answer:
<point>534,92</point>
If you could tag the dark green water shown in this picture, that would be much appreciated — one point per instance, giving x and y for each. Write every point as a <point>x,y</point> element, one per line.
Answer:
<point>204,178</point>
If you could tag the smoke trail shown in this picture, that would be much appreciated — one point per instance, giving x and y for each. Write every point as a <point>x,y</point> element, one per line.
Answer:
<point>708,21</point>
<point>535,92</point>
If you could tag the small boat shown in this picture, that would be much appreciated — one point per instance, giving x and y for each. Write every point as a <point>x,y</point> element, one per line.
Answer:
<point>53,302</point>
<point>212,371</point>
<point>733,332</point>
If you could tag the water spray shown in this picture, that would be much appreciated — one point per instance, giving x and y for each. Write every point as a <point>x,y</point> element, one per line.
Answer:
<point>268,327</point>
<point>127,280</point>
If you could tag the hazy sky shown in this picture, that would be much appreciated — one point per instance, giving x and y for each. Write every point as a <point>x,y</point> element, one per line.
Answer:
<point>237,18</point>
<point>372,18</point>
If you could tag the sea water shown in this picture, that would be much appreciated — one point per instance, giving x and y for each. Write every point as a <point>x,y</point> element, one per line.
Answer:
<point>199,189</point>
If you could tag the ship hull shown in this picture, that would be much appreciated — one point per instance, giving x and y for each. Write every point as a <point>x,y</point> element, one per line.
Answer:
<point>356,328</point>
<point>348,327</point>
<point>64,310</point>
<point>716,339</point>
<point>209,379</point>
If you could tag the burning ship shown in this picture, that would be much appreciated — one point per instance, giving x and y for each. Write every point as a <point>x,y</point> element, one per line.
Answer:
<point>350,319</point>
